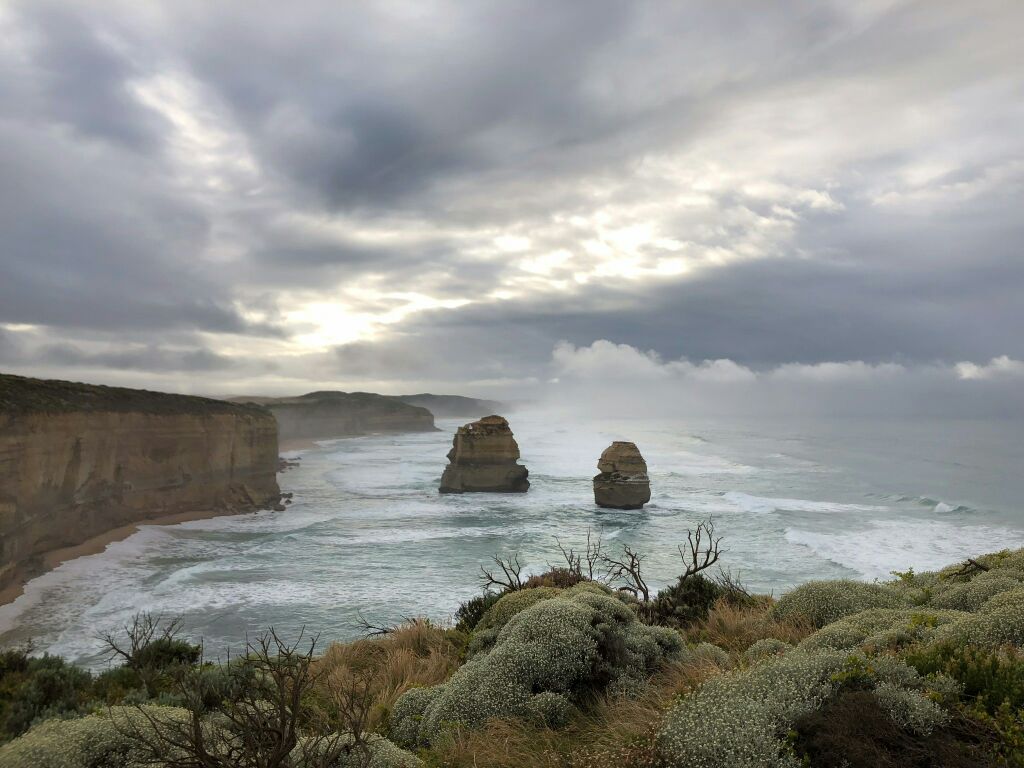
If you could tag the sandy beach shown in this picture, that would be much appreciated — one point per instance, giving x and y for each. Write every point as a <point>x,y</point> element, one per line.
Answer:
<point>50,560</point>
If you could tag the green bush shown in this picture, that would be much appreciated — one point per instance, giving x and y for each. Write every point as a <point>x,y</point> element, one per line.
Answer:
<point>736,720</point>
<point>573,644</point>
<point>711,652</point>
<point>988,677</point>
<point>823,602</point>
<point>881,628</point>
<point>380,752</point>
<point>685,602</point>
<point>513,603</point>
<point>970,596</point>
<point>999,621</point>
<point>165,652</point>
<point>499,614</point>
<point>32,689</point>
<point>94,741</point>
<point>469,614</point>
<point>766,648</point>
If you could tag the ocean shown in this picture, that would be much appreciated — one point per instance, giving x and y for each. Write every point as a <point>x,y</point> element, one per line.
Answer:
<point>368,536</point>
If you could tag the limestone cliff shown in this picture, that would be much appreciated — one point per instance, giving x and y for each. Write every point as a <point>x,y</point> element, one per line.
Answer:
<point>322,415</point>
<point>79,460</point>
<point>623,482</point>
<point>484,458</point>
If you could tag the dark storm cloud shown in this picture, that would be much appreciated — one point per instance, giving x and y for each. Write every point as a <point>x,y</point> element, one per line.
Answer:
<point>838,182</point>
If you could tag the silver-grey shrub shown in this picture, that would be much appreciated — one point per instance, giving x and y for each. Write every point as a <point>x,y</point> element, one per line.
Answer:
<point>823,602</point>
<point>94,741</point>
<point>735,720</point>
<point>970,596</point>
<point>764,648</point>
<point>881,628</point>
<point>579,641</point>
<point>999,621</point>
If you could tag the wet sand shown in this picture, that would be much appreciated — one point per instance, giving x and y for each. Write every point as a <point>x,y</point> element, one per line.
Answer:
<point>50,560</point>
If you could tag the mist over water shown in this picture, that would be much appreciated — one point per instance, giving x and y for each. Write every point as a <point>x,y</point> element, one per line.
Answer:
<point>369,535</point>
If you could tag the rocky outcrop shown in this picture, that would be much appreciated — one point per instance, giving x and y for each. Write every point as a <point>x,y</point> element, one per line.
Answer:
<point>323,415</point>
<point>623,482</point>
<point>77,461</point>
<point>484,458</point>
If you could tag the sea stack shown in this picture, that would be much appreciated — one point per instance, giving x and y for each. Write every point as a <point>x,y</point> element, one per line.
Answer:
<point>483,460</point>
<point>623,482</point>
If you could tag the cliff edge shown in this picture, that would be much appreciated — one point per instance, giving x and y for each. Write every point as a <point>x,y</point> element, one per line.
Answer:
<point>78,460</point>
<point>327,414</point>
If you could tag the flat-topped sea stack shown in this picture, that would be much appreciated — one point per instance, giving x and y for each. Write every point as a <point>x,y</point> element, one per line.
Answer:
<point>484,459</point>
<point>623,482</point>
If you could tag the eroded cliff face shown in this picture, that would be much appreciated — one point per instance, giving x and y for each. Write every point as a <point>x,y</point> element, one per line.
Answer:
<point>77,461</point>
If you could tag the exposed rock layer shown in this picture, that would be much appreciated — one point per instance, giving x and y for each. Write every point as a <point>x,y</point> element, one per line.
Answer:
<point>77,461</point>
<point>484,458</point>
<point>322,415</point>
<point>623,482</point>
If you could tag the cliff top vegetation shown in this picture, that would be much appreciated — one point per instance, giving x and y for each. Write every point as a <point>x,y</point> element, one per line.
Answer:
<point>22,395</point>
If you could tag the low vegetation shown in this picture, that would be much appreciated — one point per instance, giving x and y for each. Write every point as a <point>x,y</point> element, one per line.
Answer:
<point>583,665</point>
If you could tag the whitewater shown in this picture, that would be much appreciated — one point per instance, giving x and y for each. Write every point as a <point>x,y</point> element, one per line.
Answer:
<point>368,536</point>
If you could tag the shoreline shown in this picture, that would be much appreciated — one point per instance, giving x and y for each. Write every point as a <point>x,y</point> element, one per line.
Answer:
<point>298,444</point>
<point>48,561</point>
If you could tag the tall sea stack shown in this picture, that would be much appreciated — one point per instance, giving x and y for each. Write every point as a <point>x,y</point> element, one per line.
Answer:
<point>623,482</point>
<point>483,459</point>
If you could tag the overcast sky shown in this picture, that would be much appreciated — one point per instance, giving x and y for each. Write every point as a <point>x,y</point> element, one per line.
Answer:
<point>502,197</point>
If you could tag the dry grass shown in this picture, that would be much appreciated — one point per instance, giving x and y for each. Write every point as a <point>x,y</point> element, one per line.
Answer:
<point>612,733</point>
<point>415,654</point>
<point>735,628</point>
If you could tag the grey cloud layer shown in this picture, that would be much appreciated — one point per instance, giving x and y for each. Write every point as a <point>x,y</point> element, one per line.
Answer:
<point>837,183</point>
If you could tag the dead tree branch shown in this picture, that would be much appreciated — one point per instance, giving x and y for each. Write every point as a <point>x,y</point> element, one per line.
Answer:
<point>703,548</point>
<point>509,580</point>
<point>626,569</point>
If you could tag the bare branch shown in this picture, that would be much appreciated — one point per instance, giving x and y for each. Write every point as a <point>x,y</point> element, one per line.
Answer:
<point>627,570</point>
<point>703,549</point>
<point>509,580</point>
<point>369,629</point>
<point>970,567</point>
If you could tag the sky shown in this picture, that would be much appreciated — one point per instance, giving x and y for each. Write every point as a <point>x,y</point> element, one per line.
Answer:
<point>517,199</point>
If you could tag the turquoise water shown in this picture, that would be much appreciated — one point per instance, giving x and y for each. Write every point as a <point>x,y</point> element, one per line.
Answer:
<point>369,535</point>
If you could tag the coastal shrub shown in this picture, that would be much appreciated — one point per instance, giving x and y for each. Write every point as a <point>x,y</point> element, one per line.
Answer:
<point>378,752</point>
<point>989,677</point>
<point>573,644</point>
<point>854,730</point>
<point>563,578</point>
<point>685,602</point>
<point>823,602</point>
<point>735,720</point>
<point>712,653</point>
<point>970,596</point>
<point>94,741</point>
<point>910,710</point>
<point>499,614</point>
<point>999,621</point>
<point>766,648</point>
<point>35,688</point>
<point>469,613</point>
<point>881,628</point>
